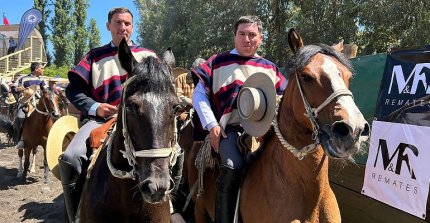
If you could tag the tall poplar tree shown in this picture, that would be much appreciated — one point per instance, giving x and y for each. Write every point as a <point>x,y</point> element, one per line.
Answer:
<point>80,30</point>
<point>42,6</point>
<point>94,34</point>
<point>62,35</point>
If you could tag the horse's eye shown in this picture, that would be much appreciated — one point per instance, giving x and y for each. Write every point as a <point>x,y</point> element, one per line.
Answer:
<point>131,108</point>
<point>306,77</point>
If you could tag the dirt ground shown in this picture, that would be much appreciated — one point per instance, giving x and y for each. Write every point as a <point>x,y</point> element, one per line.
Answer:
<point>33,201</point>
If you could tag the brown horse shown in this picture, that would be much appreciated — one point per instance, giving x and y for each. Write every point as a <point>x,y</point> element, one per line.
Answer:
<point>317,118</point>
<point>134,186</point>
<point>39,120</point>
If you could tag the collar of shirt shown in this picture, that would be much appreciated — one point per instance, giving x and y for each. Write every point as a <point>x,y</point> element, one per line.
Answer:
<point>234,51</point>
<point>113,45</point>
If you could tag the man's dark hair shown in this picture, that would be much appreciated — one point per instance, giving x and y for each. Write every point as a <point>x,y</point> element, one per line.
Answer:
<point>118,10</point>
<point>249,19</point>
<point>35,65</point>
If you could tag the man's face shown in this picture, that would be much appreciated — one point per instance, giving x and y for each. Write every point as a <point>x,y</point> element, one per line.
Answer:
<point>39,71</point>
<point>247,39</point>
<point>120,26</point>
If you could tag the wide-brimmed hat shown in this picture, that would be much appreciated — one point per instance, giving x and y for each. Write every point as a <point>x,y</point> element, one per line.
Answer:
<point>27,94</point>
<point>256,104</point>
<point>60,135</point>
<point>10,99</point>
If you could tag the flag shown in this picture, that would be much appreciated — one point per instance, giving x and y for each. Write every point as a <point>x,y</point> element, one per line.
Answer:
<point>29,21</point>
<point>5,21</point>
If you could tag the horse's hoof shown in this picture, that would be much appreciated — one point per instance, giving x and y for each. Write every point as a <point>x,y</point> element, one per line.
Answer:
<point>32,170</point>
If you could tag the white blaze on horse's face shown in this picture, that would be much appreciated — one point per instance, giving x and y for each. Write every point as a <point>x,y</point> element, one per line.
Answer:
<point>337,83</point>
<point>350,114</point>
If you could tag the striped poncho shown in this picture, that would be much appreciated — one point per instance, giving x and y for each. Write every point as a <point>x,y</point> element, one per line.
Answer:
<point>223,76</point>
<point>103,73</point>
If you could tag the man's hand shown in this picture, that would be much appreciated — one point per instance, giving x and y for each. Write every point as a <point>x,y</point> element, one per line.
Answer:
<point>106,110</point>
<point>20,88</point>
<point>214,136</point>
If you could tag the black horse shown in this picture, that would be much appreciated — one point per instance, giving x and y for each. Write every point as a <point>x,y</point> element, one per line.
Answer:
<point>136,188</point>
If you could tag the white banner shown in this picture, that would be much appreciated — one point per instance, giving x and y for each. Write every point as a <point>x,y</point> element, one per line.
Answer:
<point>398,166</point>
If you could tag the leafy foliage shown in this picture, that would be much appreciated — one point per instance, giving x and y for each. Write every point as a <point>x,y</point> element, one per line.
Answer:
<point>52,71</point>
<point>94,37</point>
<point>80,31</point>
<point>62,35</point>
<point>42,6</point>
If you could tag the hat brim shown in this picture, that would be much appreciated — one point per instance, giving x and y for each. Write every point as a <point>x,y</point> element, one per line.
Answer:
<point>23,99</point>
<point>60,135</point>
<point>266,85</point>
<point>10,100</point>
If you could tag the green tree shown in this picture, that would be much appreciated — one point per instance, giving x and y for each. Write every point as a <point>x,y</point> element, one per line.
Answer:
<point>80,30</point>
<point>94,37</point>
<point>42,6</point>
<point>193,29</point>
<point>62,36</point>
<point>386,24</point>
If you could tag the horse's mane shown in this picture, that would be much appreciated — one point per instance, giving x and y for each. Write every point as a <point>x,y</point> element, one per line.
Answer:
<point>151,76</point>
<point>303,56</point>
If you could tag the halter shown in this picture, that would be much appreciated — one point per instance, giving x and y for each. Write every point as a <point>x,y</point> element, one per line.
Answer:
<point>130,153</point>
<point>312,114</point>
<point>46,112</point>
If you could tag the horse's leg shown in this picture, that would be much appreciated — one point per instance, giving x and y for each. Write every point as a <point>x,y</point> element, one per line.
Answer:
<point>45,168</point>
<point>33,162</point>
<point>27,152</point>
<point>20,168</point>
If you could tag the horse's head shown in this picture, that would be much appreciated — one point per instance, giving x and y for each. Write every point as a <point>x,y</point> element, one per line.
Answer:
<point>147,115</point>
<point>49,103</point>
<point>319,79</point>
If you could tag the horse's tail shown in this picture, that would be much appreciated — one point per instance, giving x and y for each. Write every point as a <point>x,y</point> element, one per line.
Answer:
<point>6,126</point>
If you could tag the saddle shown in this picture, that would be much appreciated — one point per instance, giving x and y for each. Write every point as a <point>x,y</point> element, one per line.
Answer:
<point>96,141</point>
<point>99,134</point>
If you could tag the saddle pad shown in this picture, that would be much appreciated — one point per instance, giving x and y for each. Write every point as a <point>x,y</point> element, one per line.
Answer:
<point>99,134</point>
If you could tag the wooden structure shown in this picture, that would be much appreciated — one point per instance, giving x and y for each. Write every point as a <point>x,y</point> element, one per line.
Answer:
<point>32,51</point>
<point>347,181</point>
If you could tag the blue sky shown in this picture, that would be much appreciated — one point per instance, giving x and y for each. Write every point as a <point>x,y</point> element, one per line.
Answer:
<point>97,9</point>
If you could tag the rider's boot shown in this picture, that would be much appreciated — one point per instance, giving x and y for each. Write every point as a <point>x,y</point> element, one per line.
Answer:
<point>227,188</point>
<point>71,188</point>
<point>19,122</point>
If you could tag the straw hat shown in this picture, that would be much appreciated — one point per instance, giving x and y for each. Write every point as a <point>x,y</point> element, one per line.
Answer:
<point>10,99</point>
<point>256,104</point>
<point>27,94</point>
<point>60,135</point>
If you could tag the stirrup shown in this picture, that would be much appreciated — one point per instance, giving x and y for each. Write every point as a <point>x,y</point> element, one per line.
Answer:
<point>20,144</point>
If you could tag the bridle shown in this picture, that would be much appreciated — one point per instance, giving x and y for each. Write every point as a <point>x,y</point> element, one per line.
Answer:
<point>312,114</point>
<point>130,152</point>
<point>46,112</point>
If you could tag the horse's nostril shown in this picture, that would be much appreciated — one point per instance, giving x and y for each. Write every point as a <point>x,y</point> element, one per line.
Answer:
<point>340,129</point>
<point>366,130</point>
<point>147,187</point>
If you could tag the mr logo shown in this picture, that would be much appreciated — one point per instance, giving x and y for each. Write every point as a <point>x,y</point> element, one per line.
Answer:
<point>418,74</point>
<point>401,156</point>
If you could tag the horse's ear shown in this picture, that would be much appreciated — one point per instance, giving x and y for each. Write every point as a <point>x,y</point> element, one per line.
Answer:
<point>338,47</point>
<point>126,58</point>
<point>295,41</point>
<point>169,58</point>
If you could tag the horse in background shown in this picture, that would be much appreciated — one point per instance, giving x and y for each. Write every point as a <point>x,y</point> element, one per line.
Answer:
<point>136,188</point>
<point>287,180</point>
<point>36,127</point>
<point>6,126</point>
